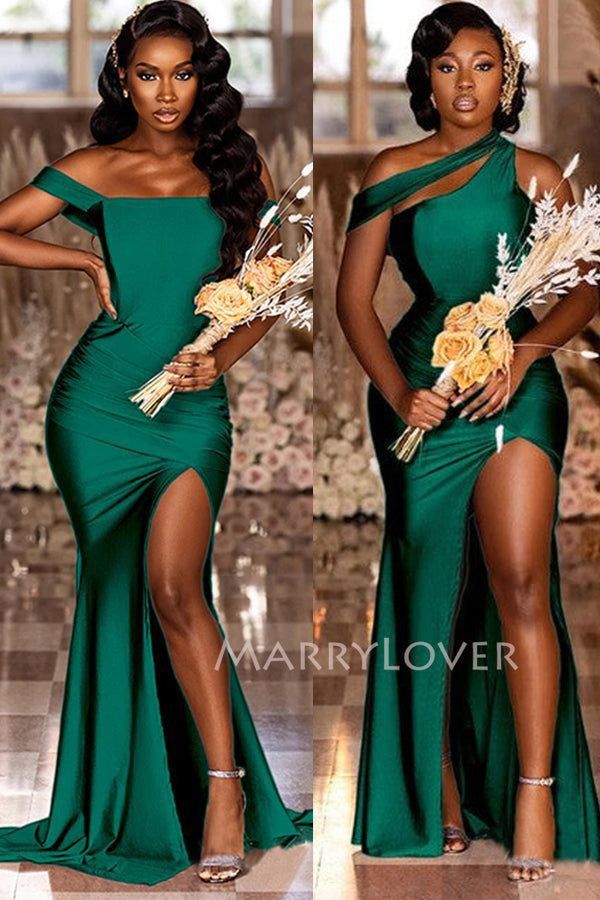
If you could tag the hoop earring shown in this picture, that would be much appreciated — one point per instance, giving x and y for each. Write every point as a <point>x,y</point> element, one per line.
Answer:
<point>432,99</point>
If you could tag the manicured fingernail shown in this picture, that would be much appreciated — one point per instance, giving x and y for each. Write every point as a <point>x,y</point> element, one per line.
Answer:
<point>472,419</point>
<point>463,413</point>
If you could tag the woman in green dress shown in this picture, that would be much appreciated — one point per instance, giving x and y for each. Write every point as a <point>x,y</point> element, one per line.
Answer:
<point>173,189</point>
<point>485,748</point>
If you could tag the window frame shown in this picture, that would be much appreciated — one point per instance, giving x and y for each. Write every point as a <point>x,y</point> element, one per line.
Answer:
<point>79,49</point>
<point>358,85</point>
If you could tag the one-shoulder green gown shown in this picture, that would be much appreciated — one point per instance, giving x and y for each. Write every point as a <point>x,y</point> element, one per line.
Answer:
<point>130,787</point>
<point>433,585</point>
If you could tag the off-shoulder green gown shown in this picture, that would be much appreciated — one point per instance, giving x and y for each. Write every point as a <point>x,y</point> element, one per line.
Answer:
<point>433,586</point>
<point>130,786</point>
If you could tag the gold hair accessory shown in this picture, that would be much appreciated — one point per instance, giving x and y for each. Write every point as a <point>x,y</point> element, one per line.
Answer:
<point>113,45</point>
<point>510,68</point>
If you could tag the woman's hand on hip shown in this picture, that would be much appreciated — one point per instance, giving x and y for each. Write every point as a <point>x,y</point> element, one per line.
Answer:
<point>493,395</point>
<point>95,267</point>
<point>422,408</point>
<point>191,371</point>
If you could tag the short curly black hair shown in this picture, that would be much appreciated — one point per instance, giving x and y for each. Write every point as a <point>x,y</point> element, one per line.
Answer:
<point>434,33</point>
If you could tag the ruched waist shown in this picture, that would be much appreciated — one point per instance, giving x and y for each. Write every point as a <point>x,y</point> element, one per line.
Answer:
<point>107,365</point>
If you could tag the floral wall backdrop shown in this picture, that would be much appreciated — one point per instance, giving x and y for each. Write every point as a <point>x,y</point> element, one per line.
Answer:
<point>43,313</point>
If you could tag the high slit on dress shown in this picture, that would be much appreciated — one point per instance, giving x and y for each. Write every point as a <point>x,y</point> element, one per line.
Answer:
<point>433,586</point>
<point>131,784</point>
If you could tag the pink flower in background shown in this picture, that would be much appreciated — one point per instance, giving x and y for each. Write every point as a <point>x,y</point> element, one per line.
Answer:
<point>279,434</point>
<point>272,459</point>
<point>305,427</point>
<point>289,412</point>
<point>584,462</point>
<point>301,476</point>
<point>260,441</point>
<point>256,478</point>
<point>293,456</point>
<point>255,388</point>
<point>307,452</point>
<point>241,457</point>
<point>282,378</point>
<point>251,404</point>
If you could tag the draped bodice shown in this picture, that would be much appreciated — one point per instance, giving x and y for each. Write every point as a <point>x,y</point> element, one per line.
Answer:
<point>445,245</point>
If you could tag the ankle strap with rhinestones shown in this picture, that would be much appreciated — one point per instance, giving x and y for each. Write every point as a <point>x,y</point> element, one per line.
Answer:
<point>238,772</point>
<point>546,781</point>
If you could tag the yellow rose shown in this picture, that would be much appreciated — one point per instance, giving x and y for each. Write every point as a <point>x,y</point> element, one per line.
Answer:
<point>500,348</point>
<point>461,317</point>
<point>224,301</point>
<point>257,279</point>
<point>276,265</point>
<point>491,311</point>
<point>476,368</point>
<point>262,274</point>
<point>454,345</point>
<point>459,373</point>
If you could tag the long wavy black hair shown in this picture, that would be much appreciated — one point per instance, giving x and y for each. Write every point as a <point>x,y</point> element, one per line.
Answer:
<point>434,33</point>
<point>225,153</point>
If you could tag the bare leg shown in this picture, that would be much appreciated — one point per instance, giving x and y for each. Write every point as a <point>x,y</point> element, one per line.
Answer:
<point>178,542</point>
<point>513,503</point>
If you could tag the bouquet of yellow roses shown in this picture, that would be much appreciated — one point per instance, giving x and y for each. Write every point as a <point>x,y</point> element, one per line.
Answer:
<point>475,340</point>
<point>268,286</point>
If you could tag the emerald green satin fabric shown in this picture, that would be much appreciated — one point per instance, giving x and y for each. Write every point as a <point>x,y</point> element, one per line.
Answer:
<point>130,788</point>
<point>445,247</point>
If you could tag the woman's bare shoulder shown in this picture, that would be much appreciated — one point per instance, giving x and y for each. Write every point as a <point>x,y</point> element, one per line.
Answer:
<point>83,164</point>
<point>394,160</point>
<point>532,164</point>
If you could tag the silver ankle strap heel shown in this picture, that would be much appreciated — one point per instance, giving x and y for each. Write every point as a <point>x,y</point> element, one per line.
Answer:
<point>217,861</point>
<point>522,863</point>
<point>453,832</point>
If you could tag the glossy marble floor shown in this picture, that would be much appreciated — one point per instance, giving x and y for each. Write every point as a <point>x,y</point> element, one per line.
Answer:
<point>263,585</point>
<point>346,562</point>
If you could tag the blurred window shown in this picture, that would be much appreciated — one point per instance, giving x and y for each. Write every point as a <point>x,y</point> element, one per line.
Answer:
<point>362,51</point>
<point>51,48</point>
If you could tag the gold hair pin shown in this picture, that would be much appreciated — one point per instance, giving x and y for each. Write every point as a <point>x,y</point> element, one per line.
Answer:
<point>113,45</point>
<point>511,67</point>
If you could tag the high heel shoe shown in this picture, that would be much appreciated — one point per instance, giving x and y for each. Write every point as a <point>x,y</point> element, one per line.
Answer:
<point>233,863</point>
<point>524,863</point>
<point>453,832</point>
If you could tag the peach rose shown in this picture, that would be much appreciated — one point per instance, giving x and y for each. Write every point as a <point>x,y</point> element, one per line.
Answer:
<point>491,311</point>
<point>261,275</point>
<point>461,317</point>
<point>500,348</point>
<point>257,279</point>
<point>475,369</point>
<point>454,345</point>
<point>224,301</point>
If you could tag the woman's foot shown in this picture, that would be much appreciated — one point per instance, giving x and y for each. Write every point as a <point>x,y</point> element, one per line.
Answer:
<point>534,834</point>
<point>455,839</point>
<point>223,833</point>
